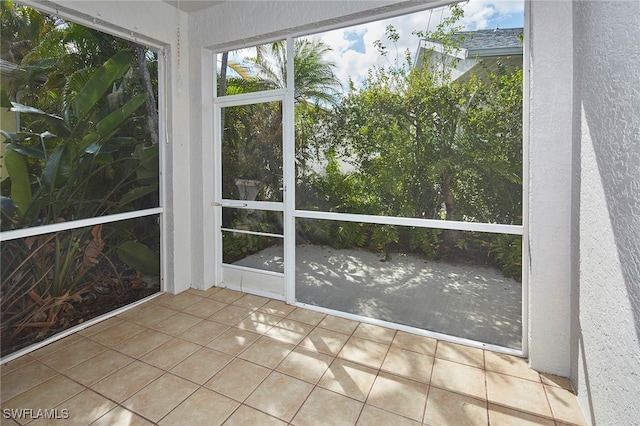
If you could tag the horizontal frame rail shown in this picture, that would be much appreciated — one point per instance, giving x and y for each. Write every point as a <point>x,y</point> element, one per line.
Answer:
<point>408,221</point>
<point>75,224</point>
<point>250,98</point>
<point>248,269</point>
<point>274,206</point>
<point>244,231</point>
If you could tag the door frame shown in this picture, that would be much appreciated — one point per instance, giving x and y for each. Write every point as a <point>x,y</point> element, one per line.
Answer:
<point>286,207</point>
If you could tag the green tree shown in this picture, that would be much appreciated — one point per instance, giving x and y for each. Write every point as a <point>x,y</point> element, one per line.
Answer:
<point>456,145</point>
<point>48,50</point>
<point>85,148</point>
<point>315,80</point>
<point>422,145</point>
<point>21,30</point>
<point>250,129</point>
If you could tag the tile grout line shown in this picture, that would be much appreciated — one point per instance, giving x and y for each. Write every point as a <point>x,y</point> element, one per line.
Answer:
<point>315,385</point>
<point>273,369</point>
<point>546,396</point>
<point>165,371</point>
<point>433,367</point>
<point>364,404</point>
<point>486,386</point>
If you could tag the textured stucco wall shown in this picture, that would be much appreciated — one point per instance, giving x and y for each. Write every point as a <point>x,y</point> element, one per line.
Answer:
<point>607,105</point>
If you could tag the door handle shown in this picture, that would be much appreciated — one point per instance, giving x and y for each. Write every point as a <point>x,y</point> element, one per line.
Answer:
<point>215,204</point>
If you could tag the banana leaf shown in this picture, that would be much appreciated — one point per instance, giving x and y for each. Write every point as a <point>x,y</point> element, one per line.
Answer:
<point>111,122</point>
<point>149,166</point>
<point>18,171</point>
<point>55,120</point>
<point>58,168</point>
<point>109,125</point>
<point>139,257</point>
<point>137,193</point>
<point>100,82</point>
<point>25,109</point>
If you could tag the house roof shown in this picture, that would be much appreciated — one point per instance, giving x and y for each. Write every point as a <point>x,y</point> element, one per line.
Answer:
<point>481,52</point>
<point>483,43</point>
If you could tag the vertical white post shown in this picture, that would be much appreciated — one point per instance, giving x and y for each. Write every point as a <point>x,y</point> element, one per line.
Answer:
<point>288,150</point>
<point>525,177</point>
<point>163,141</point>
<point>217,179</point>
<point>551,121</point>
<point>206,259</point>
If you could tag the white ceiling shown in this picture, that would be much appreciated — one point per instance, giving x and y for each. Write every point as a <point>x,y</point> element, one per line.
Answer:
<point>190,6</point>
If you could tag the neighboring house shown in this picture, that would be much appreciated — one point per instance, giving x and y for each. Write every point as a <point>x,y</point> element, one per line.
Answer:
<point>481,52</point>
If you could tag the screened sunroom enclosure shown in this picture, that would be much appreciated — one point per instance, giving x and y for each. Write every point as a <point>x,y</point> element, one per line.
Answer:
<point>311,207</point>
<point>82,189</point>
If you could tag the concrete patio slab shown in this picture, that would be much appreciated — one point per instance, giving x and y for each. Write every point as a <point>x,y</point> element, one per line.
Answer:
<point>465,300</point>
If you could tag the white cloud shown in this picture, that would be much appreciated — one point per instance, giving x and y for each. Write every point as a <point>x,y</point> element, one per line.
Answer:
<point>355,64</point>
<point>353,49</point>
<point>479,14</point>
<point>483,14</point>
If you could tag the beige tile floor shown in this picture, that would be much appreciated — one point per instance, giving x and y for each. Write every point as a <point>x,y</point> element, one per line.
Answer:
<point>223,357</point>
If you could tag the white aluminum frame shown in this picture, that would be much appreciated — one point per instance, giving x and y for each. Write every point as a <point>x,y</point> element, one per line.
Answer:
<point>495,228</point>
<point>290,181</point>
<point>75,224</point>
<point>291,214</point>
<point>219,102</point>
<point>526,85</point>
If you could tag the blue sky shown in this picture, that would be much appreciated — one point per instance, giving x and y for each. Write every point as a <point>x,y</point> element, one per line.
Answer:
<point>354,53</point>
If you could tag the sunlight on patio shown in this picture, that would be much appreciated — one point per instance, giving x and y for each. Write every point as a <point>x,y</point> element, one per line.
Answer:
<point>460,299</point>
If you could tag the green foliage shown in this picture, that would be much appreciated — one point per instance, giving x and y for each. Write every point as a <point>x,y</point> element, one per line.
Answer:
<point>238,246</point>
<point>140,257</point>
<point>411,142</point>
<point>506,250</point>
<point>83,167</point>
<point>315,81</point>
<point>428,241</point>
<point>382,236</point>
<point>421,145</point>
<point>349,234</point>
<point>84,149</point>
<point>44,276</point>
<point>16,165</point>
